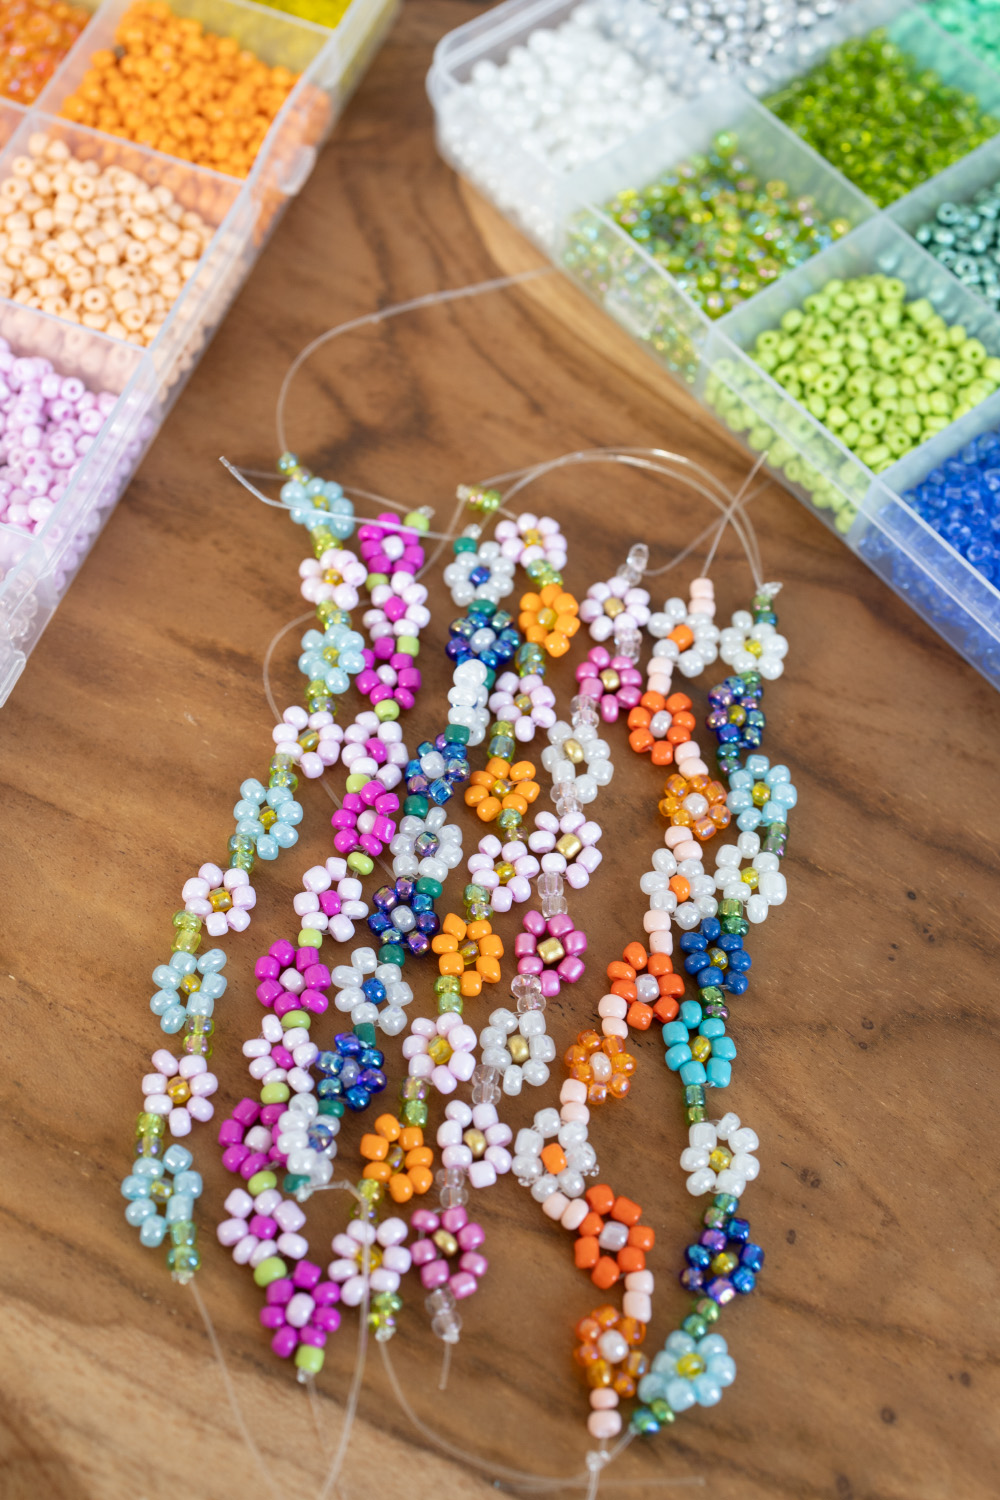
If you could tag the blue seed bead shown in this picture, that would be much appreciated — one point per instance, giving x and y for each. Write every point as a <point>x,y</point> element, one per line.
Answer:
<point>784,795</point>
<point>758,766</point>
<point>712,1027</point>
<point>691,942</point>
<point>177,1158</point>
<point>147,1166</point>
<point>694,962</point>
<point>184,963</point>
<point>651,1387</point>
<point>778,774</point>
<point>694,1072</point>
<point>134,1187</point>
<point>139,1210</point>
<point>707,1390</point>
<point>188,1182</point>
<point>710,929</point>
<point>739,959</point>
<point>724,1047</point>
<point>717,1073</point>
<point>743,1280</point>
<point>212,962</point>
<point>166,977</point>
<point>752,1256</point>
<point>739,801</point>
<point>677,1056</point>
<point>173,1019</point>
<point>736,983</point>
<point>698,1255</point>
<point>213,986</point>
<point>680,1394</point>
<point>674,1032</point>
<point>748,821</point>
<point>741,778</point>
<point>253,790</point>
<point>180,1206</point>
<point>691,1014</point>
<point>163,1000</point>
<point>268,846</point>
<point>723,1369</point>
<point>152,1231</point>
<point>738,1229</point>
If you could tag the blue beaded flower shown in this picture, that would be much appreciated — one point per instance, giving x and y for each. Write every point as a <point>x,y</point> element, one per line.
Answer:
<point>706,1057</point>
<point>268,815</point>
<point>723,1261</point>
<point>735,716</point>
<point>187,986</point>
<point>717,959</point>
<point>315,502</point>
<point>439,768</point>
<point>485,632</point>
<point>760,794</point>
<point>350,1072</point>
<point>403,919</point>
<point>689,1372</point>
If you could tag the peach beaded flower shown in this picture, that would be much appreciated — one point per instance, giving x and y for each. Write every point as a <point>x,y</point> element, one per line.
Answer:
<point>397,1157</point>
<point>471,951</point>
<point>550,618</point>
<point>503,793</point>
<point>698,804</point>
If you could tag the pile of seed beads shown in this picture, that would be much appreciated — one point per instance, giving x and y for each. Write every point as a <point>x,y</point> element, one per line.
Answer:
<point>882,373</point>
<point>721,230</point>
<point>961,500</point>
<point>744,35</point>
<point>35,36</point>
<point>884,121</point>
<point>965,237</point>
<point>975,22</point>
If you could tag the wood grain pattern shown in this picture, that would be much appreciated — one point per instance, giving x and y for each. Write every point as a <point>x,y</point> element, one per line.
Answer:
<point>868,1050</point>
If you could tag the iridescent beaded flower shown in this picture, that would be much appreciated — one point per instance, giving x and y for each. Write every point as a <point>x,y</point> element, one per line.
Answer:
<point>484,632</point>
<point>350,1075</point>
<point>532,539</point>
<point>387,1259</point>
<point>469,952</point>
<point>479,572</point>
<point>753,648</point>
<point>442,1051</point>
<point>719,1157</point>
<point>336,577</point>
<point>224,899</point>
<point>398,1159</point>
<point>724,1260</point>
<point>180,1090</point>
<point>613,682</point>
<point>549,618</point>
<point>448,1252</point>
<point>551,949</point>
<point>699,804</point>
<point>403,919</point>
<point>613,607</point>
<point>686,1373</point>
<point>572,750</point>
<point>525,703</point>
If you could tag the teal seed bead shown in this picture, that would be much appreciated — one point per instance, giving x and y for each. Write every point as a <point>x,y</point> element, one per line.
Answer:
<point>693,1072</point>
<point>177,1158</point>
<point>268,846</point>
<point>712,1028</point>
<point>173,1019</point>
<point>677,1056</point>
<point>163,1000</point>
<point>152,1231</point>
<point>213,985</point>
<point>691,1014</point>
<point>675,1032</point>
<point>680,1394</point>
<point>135,1187</point>
<point>139,1210</point>
<point>718,1073</point>
<point>147,1166</point>
<point>724,1047</point>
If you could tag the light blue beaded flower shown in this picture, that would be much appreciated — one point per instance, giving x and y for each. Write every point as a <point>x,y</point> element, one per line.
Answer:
<point>707,1058</point>
<point>146,1186</point>
<point>760,794</point>
<point>283,831</point>
<point>319,502</point>
<point>332,656</point>
<point>687,1372</point>
<point>174,1003</point>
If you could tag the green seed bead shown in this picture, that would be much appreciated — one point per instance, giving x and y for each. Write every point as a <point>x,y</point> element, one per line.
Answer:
<point>308,1359</point>
<point>385,711</point>
<point>273,1268</point>
<point>310,937</point>
<point>260,1182</point>
<point>292,1020</point>
<point>361,863</point>
<point>275,1093</point>
<point>356,781</point>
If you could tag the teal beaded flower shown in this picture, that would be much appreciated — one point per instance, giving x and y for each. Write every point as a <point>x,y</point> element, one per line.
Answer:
<point>761,794</point>
<point>187,986</point>
<point>689,1372</point>
<point>315,503</point>
<point>707,1056</point>
<point>268,817</point>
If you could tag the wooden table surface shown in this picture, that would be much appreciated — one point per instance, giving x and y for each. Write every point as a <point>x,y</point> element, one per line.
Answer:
<point>868,1357</point>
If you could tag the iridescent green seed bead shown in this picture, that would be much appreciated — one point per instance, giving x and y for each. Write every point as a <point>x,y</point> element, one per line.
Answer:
<point>694,1325</point>
<point>414,1112</point>
<point>663,1413</point>
<point>708,1310</point>
<point>643,1422</point>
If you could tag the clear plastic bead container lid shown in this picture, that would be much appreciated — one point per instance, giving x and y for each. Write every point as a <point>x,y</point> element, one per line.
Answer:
<point>567,216</point>
<point>36,569</point>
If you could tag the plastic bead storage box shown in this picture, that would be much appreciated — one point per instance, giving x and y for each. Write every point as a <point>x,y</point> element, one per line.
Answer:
<point>46,531</point>
<point>564,204</point>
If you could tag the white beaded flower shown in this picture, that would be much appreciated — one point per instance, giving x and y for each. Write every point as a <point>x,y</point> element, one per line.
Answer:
<point>481,574</point>
<point>331,901</point>
<point>747,647</point>
<point>483,871</point>
<point>532,538</point>
<point>569,748</point>
<point>612,608</point>
<point>567,846</point>
<point>351,997</point>
<point>308,1139</point>
<point>223,899</point>
<point>442,1051</point>
<point>526,702</point>
<point>719,1157</point>
<point>519,1047</point>
<point>336,576</point>
<point>179,1090</point>
<point>386,1265</point>
<point>703,649</point>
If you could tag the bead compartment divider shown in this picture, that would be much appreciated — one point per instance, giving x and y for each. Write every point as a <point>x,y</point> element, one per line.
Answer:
<point>865,509</point>
<point>36,569</point>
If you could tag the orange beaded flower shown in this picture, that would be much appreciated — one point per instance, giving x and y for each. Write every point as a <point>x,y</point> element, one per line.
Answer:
<point>613,1362</point>
<point>503,792</point>
<point>651,741</point>
<point>698,804</point>
<point>643,988</point>
<point>602,1064</point>
<point>397,1157</point>
<point>550,618</point>
<point>611,1242</point>
<point>469,950</point>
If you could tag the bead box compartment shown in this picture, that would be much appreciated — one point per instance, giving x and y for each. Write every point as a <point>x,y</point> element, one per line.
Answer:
<point>712,357</point>
<point>36,569</point>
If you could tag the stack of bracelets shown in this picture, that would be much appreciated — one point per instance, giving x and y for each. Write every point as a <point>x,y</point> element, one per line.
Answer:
<point>373,940</point>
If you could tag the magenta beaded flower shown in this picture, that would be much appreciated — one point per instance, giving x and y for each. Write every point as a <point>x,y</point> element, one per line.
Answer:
<point>614,606</point>
<point>300,1310</point>
<point>442,1051</point>
<point>398,613</point>
<point>612,680</point>
<point>550,949</point>
<point>387,547</point>
<point>449,1252</point>
<point>364,820</point>
<point>525,702</point>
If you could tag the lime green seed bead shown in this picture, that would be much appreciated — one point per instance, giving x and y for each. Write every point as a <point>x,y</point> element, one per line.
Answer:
<point>417,520</point>
<point>360,863</point>
<point>408,645</point>
<point>310,937</point>
<point>386,710</point>
<point>275,1093</point>
<point>273,1268</point>
<point>295,1020</point>
<point>261,1182</point>
<point>308,1359</point>
<point>356,781</point>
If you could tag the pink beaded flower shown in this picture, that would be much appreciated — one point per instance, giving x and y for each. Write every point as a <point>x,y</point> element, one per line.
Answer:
<point>505,870</point>
<point>526,702</point>
<point>551,950</point>
<point>442,1051</point>
<point>567,845</point>
<point>449,1252</point>
<point>388,547</point>
<point>613,607</point>
<point>532,538</point>
<point>331,901</point>
<point>335,577</point>
<point>295,725</point>
<point>300,1310</point>
<point>398,612</point>
<point>223,899</point>
<point>180,1090</point>
<point>612,680</point>
<point>390,1261</point>
<point>364,820</point>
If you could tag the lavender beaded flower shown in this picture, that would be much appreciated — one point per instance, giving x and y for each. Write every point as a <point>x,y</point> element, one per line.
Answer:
<point>179,1090</point>
<point>613,608</point>
<point>388,1259</point>
<point>442,1051</point>
<point>525,702</point>
<point>504,870</point>
<point>336,577</point>
<point>531,539</point>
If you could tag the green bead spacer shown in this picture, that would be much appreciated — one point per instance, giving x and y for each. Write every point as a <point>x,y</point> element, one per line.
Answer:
<point>708,1310</point>
<point>414,1112</point>
<point>275,1093</point>
<point>334,1107</point>
<point>428,887</point>
<point>365,1032</point>
<point>642,1422</point>
<point>271,1269</point>
<point>695,1326</point>
<point>726,1202</point>
<point>465,544</point>
<point>415,806</point>
<point>293,1019</point>
<point>294,1181</point>
<point>392,953</point>
<point>408,645</point>
<point>663,1413</point>
<point>356,781</point>
<point>360,863</point>
<point>419,522</point>
<point>309,1359</point>
<point>450,1000</point>
<point>387,710</point>
<point>260,1182</point>
<point>309,937</point>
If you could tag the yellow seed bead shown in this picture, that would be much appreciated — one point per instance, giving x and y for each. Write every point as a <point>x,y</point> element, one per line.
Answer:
<point>439,1051</point>
<point>179,1090</point>
<point>690,1365</point>
<point>720,1159</point>
<point>220,900</point>
<point>749,877</point>
<point>701,1048</point>
<point>761,793</point>
<point>569,846</point>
